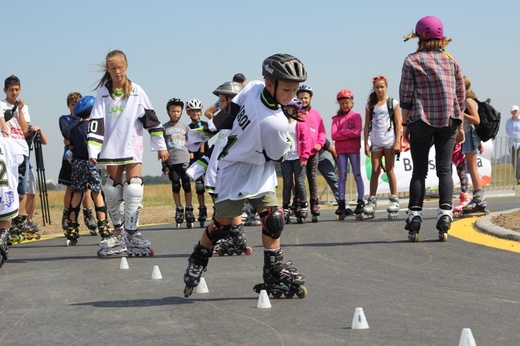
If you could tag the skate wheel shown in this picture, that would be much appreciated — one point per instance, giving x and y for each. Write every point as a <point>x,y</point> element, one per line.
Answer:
<point>152,252</point>
<point>37,236</point>
<point>202,224</point>
<point>249,250</point>
<point>289,295</point>
<point>68,242</point>
<point>443,237</point>
<point>414,238</point>
<point>302,292</point>
<point>178,225</point>
<point>28,237</point>
<point>188,290</point>
<point>314,218</point>
<point>277,294</point>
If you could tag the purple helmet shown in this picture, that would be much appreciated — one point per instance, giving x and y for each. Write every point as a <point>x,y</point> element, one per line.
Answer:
<point>429,27</point>
<point>297,103</point>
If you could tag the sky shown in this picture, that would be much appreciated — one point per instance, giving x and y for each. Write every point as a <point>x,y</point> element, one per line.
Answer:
<point>186,49</point>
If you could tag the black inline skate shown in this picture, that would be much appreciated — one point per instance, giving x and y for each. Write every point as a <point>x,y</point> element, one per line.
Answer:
<point>103,229</point>
<point>413,224</point>
<point>30,230</point>
<point>444,219</point>
<point>315,209</point>
<point>360,210</point>
<point>197,264</point>
<point>15,231</point>
<point>234,244</point>
<point>179,215</point>
<point>90,221</point>
<point>65,220</point>
<point>203,215</point>
<point>189,216</point>
<point>477,205</point>
<point>287,212</point>
<point>280,278</point>
<point>341,212</point>
<point>301,212</point>
<point>72,234</point>
<point>4,250</point>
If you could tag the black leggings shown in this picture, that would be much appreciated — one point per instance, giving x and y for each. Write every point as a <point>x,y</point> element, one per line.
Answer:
<point>421,137</point>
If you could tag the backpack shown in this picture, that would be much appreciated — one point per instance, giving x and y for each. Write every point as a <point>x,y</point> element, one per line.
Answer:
<point>489,121</point>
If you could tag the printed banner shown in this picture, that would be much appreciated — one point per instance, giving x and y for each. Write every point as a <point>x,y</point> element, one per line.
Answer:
<point>403,171</point>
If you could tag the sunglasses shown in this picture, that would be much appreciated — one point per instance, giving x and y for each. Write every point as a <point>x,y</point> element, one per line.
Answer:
<point>376,78</point>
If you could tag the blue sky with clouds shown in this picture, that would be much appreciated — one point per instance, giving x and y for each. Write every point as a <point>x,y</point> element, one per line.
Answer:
<point>187,48</point>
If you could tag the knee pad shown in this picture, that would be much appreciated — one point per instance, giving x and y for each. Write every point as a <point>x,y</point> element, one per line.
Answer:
<point>176,186</point>
<point>102,210</point>
<point>133,191</point>
<point>272,222</point>
<point>199,187</point>
<point>74,210</point>
<point>218,232</point>
<point>186,185</point>
<point>114,201</point>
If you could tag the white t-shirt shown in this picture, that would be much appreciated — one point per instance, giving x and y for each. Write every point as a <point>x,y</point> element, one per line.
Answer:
<point>11,156</point>
<point>15,129</point>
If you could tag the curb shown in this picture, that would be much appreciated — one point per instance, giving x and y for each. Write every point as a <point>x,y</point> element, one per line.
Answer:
<point>485,225</point>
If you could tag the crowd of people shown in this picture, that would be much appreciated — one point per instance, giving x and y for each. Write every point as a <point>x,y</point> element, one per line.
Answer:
<point>257,125</point>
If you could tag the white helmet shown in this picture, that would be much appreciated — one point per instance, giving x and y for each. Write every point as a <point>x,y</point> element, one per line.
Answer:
<point>194,104</point>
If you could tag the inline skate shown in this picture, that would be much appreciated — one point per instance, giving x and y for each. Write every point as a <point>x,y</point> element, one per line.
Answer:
<point>15,231</point>
<point>301,212</point>
<point>249,215</point>
<point>179,216</point>
<point>4,249</point>
<point>103,229</point>
<point>72,234</point>
<point>413,224</point>
<point>189,216</point>
<point>203,215</point>
<point>477,205</point>
<point>30,230</point>
<point>136,245</point>
<point>341,212</point>
<point>287,212</point>
<point>463,201</point>
<point>65,221</point>
<point>234,244</point>
<point>393,207</point>
<point>315,209</point>
<point>444,219</point>
<point>197,264</point>
<point>280,278</point>
<point>113,244</point>
<point>370,208</point>
<point>90,221</point>
<point>360,210</point>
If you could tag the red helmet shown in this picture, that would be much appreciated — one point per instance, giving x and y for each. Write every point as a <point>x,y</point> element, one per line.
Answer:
<point>345,94</point>
<point>429,27</point>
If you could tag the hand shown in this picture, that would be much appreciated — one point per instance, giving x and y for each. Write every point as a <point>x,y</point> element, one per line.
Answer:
<point>162,155</point>
<point>460,137</point>
<point>317,147</point>
<point>93,160</point>
<point>406,133</point>
<point>21,103</point>
<point>367,150</point>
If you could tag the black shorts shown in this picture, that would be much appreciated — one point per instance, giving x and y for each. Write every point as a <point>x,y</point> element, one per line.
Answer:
<point>65,175</point>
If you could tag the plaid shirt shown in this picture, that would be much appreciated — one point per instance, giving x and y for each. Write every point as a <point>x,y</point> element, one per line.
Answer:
<point>432,88</point>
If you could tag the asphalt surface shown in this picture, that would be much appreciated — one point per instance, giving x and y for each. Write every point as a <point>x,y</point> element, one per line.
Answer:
<point>421,293</point>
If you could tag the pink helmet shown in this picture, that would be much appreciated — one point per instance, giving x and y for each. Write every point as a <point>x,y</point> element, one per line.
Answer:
<point>429,27</point>
<point>345,94</point>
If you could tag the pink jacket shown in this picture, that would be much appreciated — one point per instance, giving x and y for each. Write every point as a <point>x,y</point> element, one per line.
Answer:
<point>303,142</point>
<point>346,132</point>
<point>315,134</point>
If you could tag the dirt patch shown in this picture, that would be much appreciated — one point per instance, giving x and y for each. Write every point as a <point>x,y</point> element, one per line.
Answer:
<point>509,221</point>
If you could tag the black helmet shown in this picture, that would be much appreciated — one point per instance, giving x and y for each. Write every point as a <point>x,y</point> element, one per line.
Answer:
<point>230,89</point>
<point>284,67</point>
<point>174,101</point>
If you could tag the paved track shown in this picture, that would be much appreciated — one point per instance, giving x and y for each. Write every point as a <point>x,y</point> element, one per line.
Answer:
<point>412,293</point>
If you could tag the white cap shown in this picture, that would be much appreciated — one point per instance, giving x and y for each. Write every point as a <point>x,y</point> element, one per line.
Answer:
<point>515,108</point>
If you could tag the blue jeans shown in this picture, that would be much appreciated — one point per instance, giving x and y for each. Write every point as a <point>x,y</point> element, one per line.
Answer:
<point>328,171</point>
<point>421,137</point>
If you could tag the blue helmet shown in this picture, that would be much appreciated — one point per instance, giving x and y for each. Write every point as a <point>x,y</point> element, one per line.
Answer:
<point>84,106</point>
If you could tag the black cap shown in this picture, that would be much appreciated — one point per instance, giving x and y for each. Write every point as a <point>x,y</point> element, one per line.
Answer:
<point>239,78</point>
